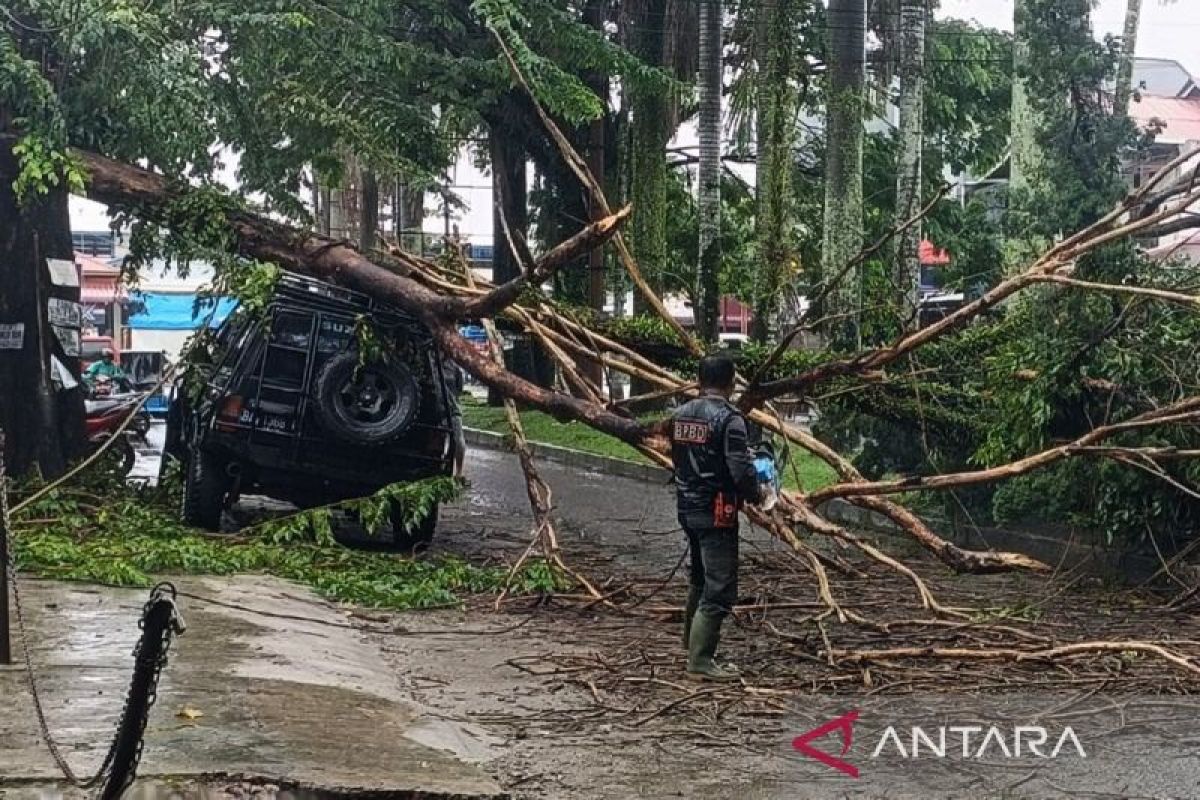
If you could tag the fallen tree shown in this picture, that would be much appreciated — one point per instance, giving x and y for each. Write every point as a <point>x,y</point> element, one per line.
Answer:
<point>440,297</point>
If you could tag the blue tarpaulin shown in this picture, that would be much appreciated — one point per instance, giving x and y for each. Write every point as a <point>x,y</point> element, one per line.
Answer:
<point>174,312</point>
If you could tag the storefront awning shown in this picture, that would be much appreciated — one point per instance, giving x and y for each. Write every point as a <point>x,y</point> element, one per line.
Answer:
<point>174,312</point>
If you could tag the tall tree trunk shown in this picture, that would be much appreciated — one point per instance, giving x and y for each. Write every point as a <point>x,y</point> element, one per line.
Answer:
<point>368,212</point>
<point>1024,120</point>
<point>709,200</point>
<point>43,424</point>
<point>907,258</point>
<point>843,237</point>
<point>776,111</point>
<point>650,132</point>
<point>509,189</point>
<point>594,15</point>
<point>1133,17</point>
<point>1025,151</point>
<point>338,227</point>
<point>325,217</point>
<point>410,216</point>
<point>509,178</point>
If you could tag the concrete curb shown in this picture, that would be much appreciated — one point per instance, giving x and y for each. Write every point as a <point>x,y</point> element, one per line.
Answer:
<point>572,458</point>
<point>1051,550</point>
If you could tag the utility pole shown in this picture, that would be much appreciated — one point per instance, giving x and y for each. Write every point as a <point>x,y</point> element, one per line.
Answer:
<point>5,639</point>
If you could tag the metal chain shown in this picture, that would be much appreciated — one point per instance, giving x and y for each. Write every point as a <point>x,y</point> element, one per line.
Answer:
<point>174,625</point>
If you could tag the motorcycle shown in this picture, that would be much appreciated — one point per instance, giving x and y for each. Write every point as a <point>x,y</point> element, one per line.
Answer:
<point>103,417</point>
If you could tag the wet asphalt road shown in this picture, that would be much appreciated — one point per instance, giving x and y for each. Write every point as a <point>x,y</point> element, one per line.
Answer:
<point>617,526</point>
<point>633,519</point>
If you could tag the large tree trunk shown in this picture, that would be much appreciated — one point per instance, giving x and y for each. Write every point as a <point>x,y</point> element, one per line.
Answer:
<point>709,200</point>
<point>907,258</point>
<point>776,133</point>
<point>509,176</point>
<point>509,189</point>
<point>650,125</point>
<point>43,425</point>
<point>594,14</point>
<point>844,162</point>
<point>340,262</point>
<point>1133,17</point>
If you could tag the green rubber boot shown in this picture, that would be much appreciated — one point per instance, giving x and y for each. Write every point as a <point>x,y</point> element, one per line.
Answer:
<point>693,602</point>
<point>702,645</point>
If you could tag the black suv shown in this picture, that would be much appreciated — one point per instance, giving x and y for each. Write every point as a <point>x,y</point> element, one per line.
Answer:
<point>289,407</point>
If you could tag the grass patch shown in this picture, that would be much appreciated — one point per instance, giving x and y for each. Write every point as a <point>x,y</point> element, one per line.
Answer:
<point>123,536</point>
<point>544,428</point>
<point>809,473</point>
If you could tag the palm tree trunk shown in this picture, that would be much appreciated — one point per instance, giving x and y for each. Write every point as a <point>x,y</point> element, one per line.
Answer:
<point>1024,121</point>
<point>649,132</point>
<point>709,201</point>
<point>776,130</point>
<point>1133,16</point>
<point>844,162</point>
<point>1025,153</point>
<point>907,259</point>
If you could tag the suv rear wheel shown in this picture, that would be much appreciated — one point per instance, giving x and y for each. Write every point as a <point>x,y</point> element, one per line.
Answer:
<point>365,403</point>
<point>419,536</point>
<point>204,489</point>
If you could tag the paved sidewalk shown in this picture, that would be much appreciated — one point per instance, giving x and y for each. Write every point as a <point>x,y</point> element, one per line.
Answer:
<point>299,699</point>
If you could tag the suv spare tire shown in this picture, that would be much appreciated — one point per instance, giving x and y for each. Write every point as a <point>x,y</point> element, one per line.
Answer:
<point>365,403</point>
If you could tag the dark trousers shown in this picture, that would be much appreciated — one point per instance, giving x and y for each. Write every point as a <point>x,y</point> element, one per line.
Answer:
<point>714,568</point>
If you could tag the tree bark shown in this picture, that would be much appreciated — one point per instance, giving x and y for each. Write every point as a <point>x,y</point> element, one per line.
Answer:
<point>509,191</point>
<point>325,217</point>
<point>907,259</point>
<point>651,128</point>
<point>1024,146</point>
<point>340,262</point>
<point>410,216</point>
<point>844,163</point>
<point>509,176</point>
<point>597,155</point>
<point>44,427</point>
<point>1124,90</point>
<point>776,133</point>
<point>709,200</point>
<point>368,212</point>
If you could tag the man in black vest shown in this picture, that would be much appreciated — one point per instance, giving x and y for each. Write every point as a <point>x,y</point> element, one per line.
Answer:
<point>714,475</point>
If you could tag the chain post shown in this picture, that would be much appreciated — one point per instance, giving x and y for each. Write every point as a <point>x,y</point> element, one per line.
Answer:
<point>5,638</point>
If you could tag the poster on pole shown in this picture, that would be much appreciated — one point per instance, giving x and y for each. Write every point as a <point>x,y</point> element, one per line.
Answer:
<point>63,380</point>
<point>66,313</point>
<point>62,272</point>
<point>12,335</point>
<point>69,339</point>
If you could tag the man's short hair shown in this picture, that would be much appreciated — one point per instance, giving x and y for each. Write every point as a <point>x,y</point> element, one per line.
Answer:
<point>716,372</point>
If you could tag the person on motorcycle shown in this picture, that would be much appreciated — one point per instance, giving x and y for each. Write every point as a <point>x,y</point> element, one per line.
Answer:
<point>106,367</point>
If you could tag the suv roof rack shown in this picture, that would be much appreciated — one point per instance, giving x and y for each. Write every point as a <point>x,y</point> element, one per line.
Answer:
<point>304,289</point>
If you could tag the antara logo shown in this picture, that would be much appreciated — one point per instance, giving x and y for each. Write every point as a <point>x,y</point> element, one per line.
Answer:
<point>966,741</point>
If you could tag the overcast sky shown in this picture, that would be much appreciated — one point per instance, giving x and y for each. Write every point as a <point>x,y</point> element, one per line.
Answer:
<point>1168,29</point>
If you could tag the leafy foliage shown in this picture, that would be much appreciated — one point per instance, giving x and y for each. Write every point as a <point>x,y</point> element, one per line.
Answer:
<point>132,538</point>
